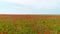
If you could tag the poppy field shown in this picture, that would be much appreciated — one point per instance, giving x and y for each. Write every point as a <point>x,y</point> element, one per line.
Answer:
<point>29,24</point>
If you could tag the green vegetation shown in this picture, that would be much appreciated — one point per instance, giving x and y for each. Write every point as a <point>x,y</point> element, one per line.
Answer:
<point>29,25</point>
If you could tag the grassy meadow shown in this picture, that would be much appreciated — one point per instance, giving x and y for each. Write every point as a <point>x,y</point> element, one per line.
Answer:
<point>29,24</point>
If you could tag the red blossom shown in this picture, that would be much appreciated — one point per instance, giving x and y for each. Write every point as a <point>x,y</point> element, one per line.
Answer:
<point>46,32</point>
<point>12,32</point>
<point>5,32</point>
<point>38,32</point>
<point>58,33</point>
<point>0,32</point>
<point>17,30</point>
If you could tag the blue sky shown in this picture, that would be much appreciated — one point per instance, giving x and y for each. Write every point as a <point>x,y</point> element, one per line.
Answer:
<point>30,6</point>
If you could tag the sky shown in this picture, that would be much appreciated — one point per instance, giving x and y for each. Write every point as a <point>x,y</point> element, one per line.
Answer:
<point>29,6</point>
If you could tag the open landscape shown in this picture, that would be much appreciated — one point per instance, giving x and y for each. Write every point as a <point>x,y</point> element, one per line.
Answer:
<point>29,24</point>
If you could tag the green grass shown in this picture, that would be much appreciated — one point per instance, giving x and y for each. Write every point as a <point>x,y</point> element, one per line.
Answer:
<point>30,25</point>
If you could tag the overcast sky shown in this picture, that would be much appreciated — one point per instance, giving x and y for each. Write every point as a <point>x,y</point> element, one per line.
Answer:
<point>30,6</point>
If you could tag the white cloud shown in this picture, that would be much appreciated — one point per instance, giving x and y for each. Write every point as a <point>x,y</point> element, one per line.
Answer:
<point>42,4</point>
<point>36,4</point>
<point>13,1</point>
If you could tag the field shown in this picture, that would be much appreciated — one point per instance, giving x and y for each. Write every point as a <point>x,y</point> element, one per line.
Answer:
<point>29,24</point>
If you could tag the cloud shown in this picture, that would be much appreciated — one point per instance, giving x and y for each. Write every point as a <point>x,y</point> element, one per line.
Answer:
<point>38,4</point>
<point>30,6</point>
<point>11,8</point>
<point>42,5</point>
<point>13,1</point>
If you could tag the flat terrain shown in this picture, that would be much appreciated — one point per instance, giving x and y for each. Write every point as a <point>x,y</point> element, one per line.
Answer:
<point>29,24</point>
